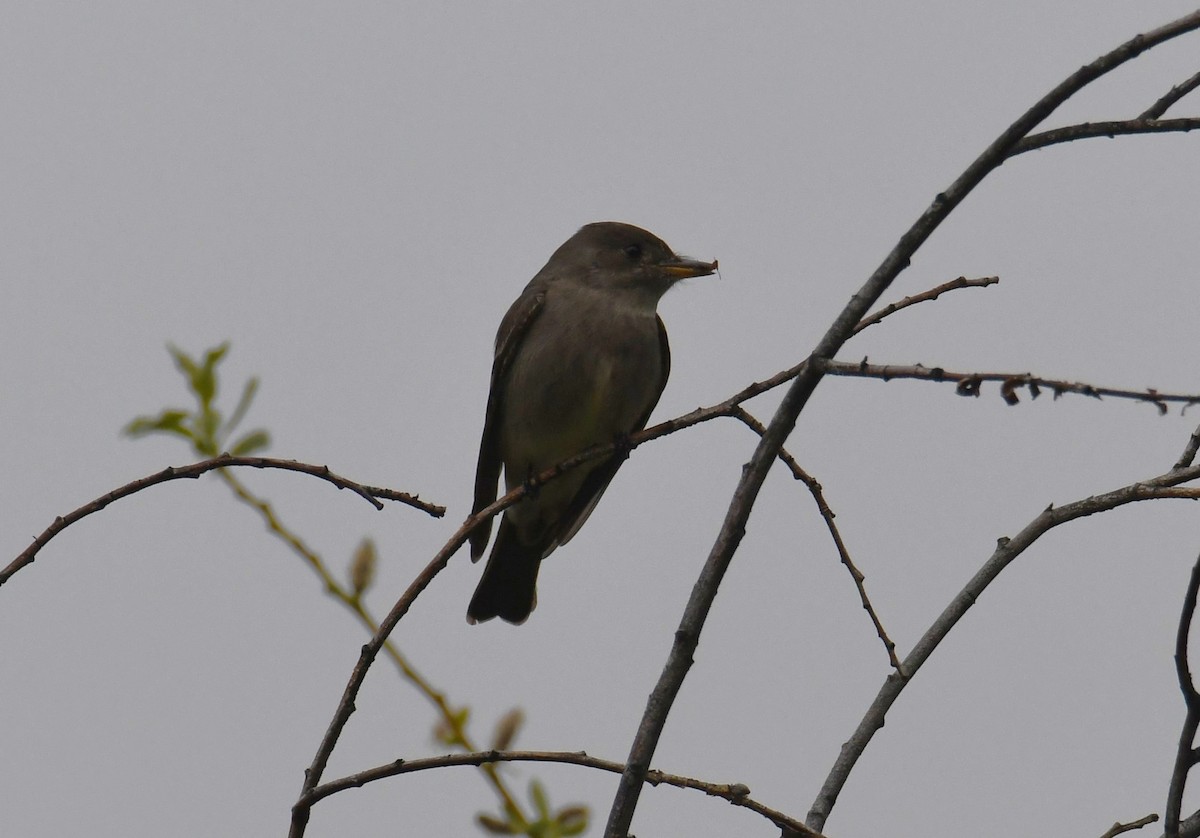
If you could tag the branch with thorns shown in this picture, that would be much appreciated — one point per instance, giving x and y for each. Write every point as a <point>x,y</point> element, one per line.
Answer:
<point>1163,486</point>
<point>827,514</point>
<point>371,494</point>
<point>737,794</point>
<point>970,383</point>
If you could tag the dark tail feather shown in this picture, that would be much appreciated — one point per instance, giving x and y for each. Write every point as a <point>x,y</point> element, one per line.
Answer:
<point>508,589</point>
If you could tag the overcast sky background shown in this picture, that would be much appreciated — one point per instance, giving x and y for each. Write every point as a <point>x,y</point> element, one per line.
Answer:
<point>354,193</point>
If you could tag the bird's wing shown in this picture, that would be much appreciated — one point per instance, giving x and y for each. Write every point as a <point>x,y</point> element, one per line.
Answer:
<point>513,329</point>
<point>597,481</point>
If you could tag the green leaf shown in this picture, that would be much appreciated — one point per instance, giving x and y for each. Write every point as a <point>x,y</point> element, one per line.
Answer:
<point>494,825</point>
<point>204,427</point>
<point>256,440</point>
<point>183,362</point>
<point>243,405</point>
<point>572,820</point>
<point>448,731</point>
<point>167,422</point>
<point>507,728</point>
<point>362,566</point>
<point>537,793</point>
<point>204,380</point>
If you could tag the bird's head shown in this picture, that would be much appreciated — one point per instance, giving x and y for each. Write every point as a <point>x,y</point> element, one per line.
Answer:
<point>609,255</point>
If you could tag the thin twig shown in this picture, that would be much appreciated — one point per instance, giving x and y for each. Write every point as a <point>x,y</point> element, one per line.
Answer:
<point>191,472</point>
<point>733,527</point>
<point>818,494</point>
<point>924,296</point>
<point>1185,753</point>
<point>1170,98</point>
<point>1007,549</point>
<point>969,383</point>
<point>1189,450</point>
<point>1118,827</point>
<point>453,720</point>
<point>735,793</point>
<point>1088,130</point>
<point>370,650</point>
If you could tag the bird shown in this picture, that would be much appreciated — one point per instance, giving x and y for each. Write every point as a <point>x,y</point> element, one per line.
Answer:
<point>581,358</point>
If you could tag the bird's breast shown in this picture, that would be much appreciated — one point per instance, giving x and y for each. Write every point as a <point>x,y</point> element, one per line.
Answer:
<point>579,381</point>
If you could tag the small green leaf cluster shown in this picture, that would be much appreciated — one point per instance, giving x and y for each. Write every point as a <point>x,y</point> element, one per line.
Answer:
<point>204,427</point>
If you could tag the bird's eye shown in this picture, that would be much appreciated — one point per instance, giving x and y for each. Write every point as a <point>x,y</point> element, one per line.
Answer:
<point>633,251</point>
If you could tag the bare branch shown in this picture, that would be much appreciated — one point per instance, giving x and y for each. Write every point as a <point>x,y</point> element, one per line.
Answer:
<point>969,383</point>
<point>1170,98</point>
<point>370,650</point>
<point>687,636</point>
<point>1189,450</point>
<point>924,296</point>
<point>1007,549</point>
<point>828,515</point>
<point>190,472</point>
<point>735,793</point>
<point>1118,827</point>
<point>1088,130</point>
<point>728,408</point>
<point>312,775</point>
<point>1190,828</point>
<point>1185,753</point>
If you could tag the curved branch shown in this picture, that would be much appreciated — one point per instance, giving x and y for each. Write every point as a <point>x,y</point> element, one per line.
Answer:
<point>924,296</point>
<point>1007,549</point>
<point>1088,130</point>
<point>1185,752</point>
<point>735,793</point>
<point>191,472</point>
<point>687,636</point>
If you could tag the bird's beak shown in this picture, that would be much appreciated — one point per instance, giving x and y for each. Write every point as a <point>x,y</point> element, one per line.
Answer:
<point>686,268</point>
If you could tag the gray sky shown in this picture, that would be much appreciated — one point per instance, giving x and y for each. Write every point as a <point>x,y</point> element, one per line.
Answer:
<point>353,194</point>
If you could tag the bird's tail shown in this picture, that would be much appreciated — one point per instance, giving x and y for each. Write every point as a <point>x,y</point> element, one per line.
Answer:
<point>508,588</point>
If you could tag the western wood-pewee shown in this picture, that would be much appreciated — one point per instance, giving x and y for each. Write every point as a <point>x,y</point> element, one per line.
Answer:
<point>581,359</point>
